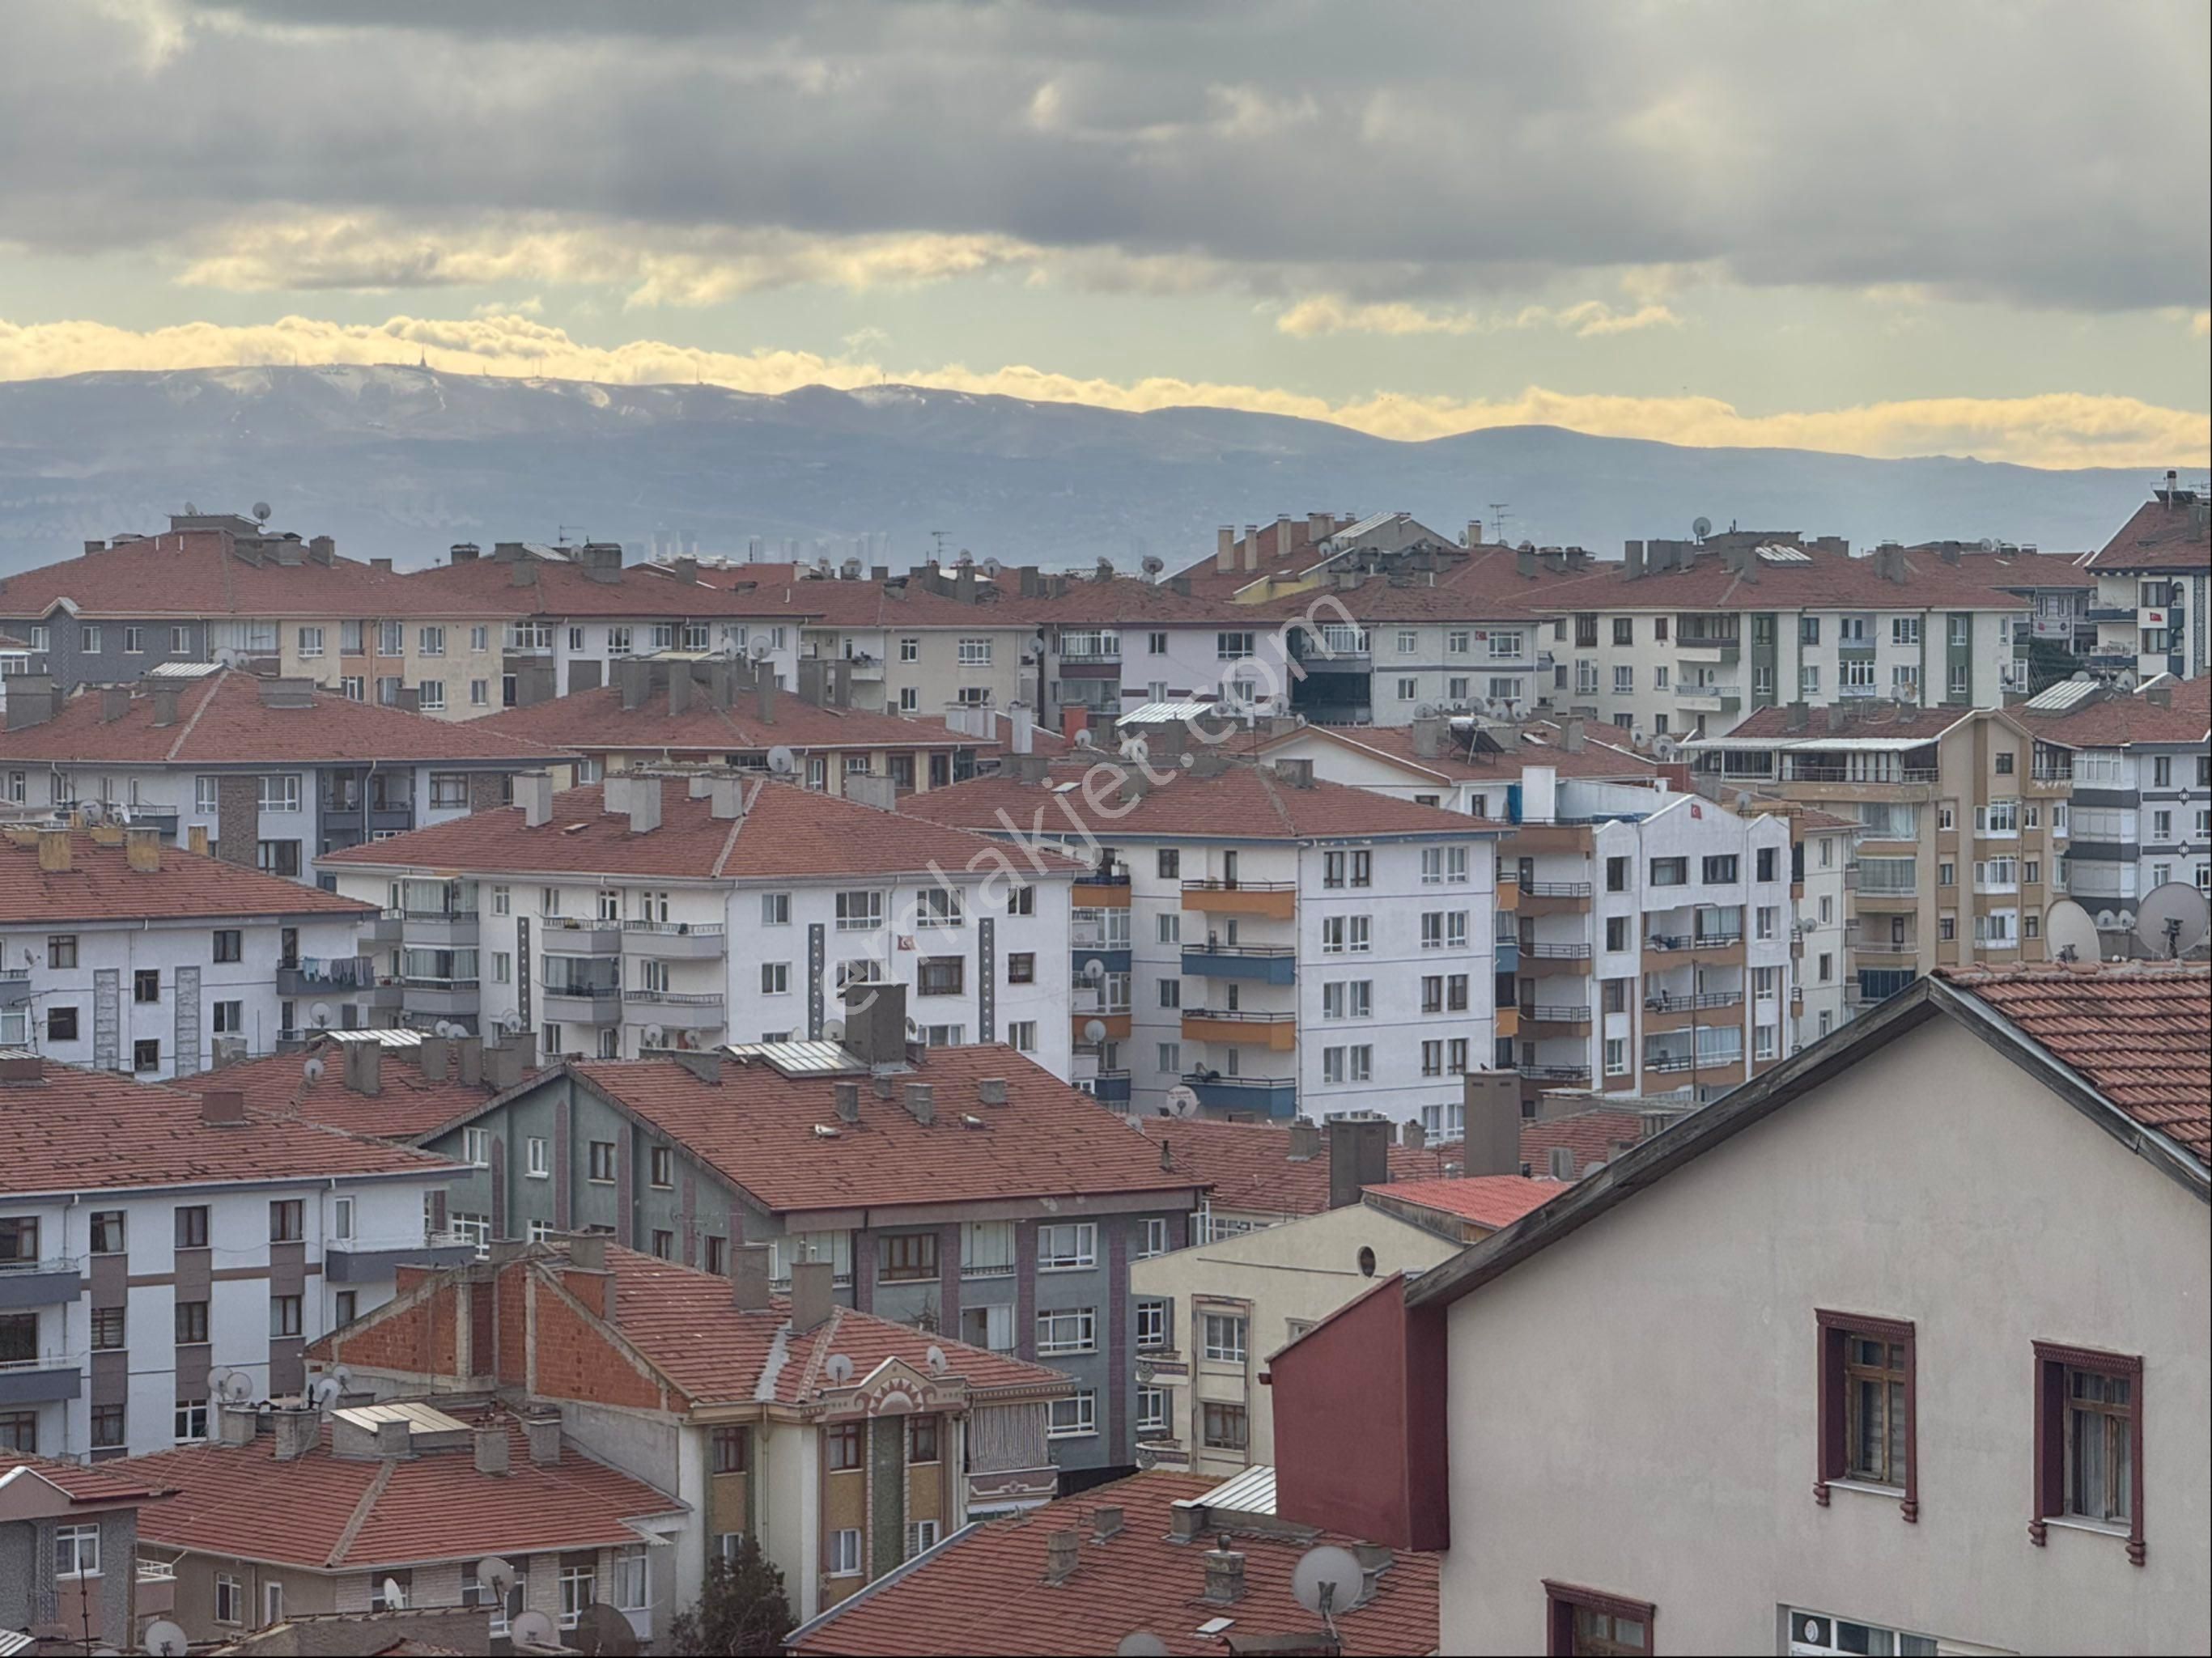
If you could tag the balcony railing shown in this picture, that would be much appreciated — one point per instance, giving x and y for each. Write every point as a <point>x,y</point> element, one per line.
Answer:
<point>1556,1073</point>
<point>1215,885</point>
<point>1555,889</point>
<point>423,981</point>
<point>1798,772</point>
<point>1239,1016</point>
<point>677,929</point>
<point>1557,952</point>
<point>1703,998</point>
<point>673,998</point>
<point>1555,1013</point>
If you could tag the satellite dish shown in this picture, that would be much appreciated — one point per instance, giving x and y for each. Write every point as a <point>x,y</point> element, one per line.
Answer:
<point>444,1028</point>
<point>1424,710</point>
<point>913,1027</point>
<point>1094,969</point>
<point>393,1595</point>
<point>839,1369</point>
<point>1142,1644</point>
<point>229,1385</point>
<point>94,812</point>
<point>1742,801</point>
<point>2068,933</point>
<point>935,1358</point>
<point>1700,528</point>
<point>1328,1580</point>
<point>602,1630</point>
<point>1094,1030</point>
<point>192,509</point>
<point>261,512</point>
<point>834,1030</point>
<point>1665,747</point>
<point>495,1575</point>
<point>992,567</point>
<point>1152,564</point>
<point>1183,1101</point>
<point>2171,921</point>
<point>760,649</point>
<point>312,1070</point>
<point>167,1640</point>
<point>532,1628</point>
<point>781,761</point>
<point>320,1014</point>
<point>653,1035</point>
<point>327,1393</point>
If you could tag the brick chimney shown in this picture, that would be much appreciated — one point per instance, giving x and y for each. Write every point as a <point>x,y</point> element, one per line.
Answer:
<point>1063,1552</point>
<point>490,1441</point>
<point>54,851</point>
<point>142,850</point>
<point>1224,1577</point>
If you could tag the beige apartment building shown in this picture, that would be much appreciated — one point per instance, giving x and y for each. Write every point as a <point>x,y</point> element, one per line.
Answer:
<point>1963,829</point>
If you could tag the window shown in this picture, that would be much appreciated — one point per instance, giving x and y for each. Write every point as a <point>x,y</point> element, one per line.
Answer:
<point>110,1427</point>
<point>1905,630</point>
<point>108,1329</point>
<point>1170,1058</point>
<point>108,1232</point>
<point>1151,1411</point>
<point>1171,992</point>
<point>475,1147</point>
<point>1021,964</point>
<point>1072,1417</point>
<point>1153,1321</point>
<point>1616,1056</point>
<point>287,1223</point>
<point>579,1585</point>
<point>1021,1035</point>
<point>229,944</point>
<point>60,951</point>
<point>1770,864</point>
<point>1582,1620</point>
<point>19,1431</point>
<point>1867,1430</point>
<point>1067,1246</point>
<point>941,975</point>
<point>599,1162</point>
<point>1224,1334</point>
<point>2089,1441</point>
<point>1224,1427</point>
<point>146,986</point>
<point>1068,1330</point>
<point>229,1599</point>
<point>430,696</point>
<point>284,1313</point>
<point>1670,871</point>
<point>660,1161</point>
<point>775,978</point>
<point>192,1227</point>
<point>1624,680</point>
<point>841,1441</point>
<point>1722,871</point>
<point>726,1446</point>
<point>1616,932</point>
<point>908,1255</point>
<point>859,912</point>
<point>90,641</point>
<point>664,1244</point>
<point>1624,630</point>
<point>180,641</point>
<point>191,1322</point>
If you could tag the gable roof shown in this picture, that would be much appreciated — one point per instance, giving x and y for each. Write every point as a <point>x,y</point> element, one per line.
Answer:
<point>194,573</point>
<point>224,720</point>
<point>1825,580</point>
<point>785,832</point>
<point>1884,722</point>
<point>1250,1165</point>
<point>2119,721</point>
<point>1589,1136</point>
<point>596,721</point>
<point>408,1105</point>
<point>1542,743</point>
<point>2173,1001</point>
<point>757,1127</point>
<point>2160,535</point>
<point>98,1482</point>
<point>101,885</point>
<point>559,587</point>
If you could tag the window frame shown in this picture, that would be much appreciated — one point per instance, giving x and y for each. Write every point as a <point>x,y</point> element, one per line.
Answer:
<point>1563,1601</point>
<point>2052,1402</point>
<point>1837,1329</point>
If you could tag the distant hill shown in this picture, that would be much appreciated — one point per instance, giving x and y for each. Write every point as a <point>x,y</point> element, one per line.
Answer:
<point>400,462</point>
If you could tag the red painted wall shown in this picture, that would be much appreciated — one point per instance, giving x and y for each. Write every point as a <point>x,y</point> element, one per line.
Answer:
<point>1359,1423</point>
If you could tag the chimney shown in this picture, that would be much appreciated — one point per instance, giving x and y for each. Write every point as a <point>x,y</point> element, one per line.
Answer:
<point>1021,728</point>
<point>1305,1141</point>
<point>54,851</point>
<point>1185,1524</point>
<point>1524,562</point>
<point>364,1068</point>
<point>114,703</point>
<point>142,849</point>
<point>1358,1156</point>
<point>544,1433</point>
<point>394,1441</point>
<point>223,1108</point>
<point>1835,713</point>
<point>679,689</point>
<point>502,1065</point>
<point>991,1090</point>
<point>298,1432</point>
<point>1225,550</point>
<point>489,1440</point>
<point>1106,1524</point>
<point>463,552</point>
<point>30,698</point>
<point>765,694</point>
<point>1063,1550</point>
<point>470,1050</point>
<point>1413,1136</point>
<point>644,805</point>
<point>726,797</point>
<point>196,841</point>
<point>2159,697</point>
<point>588,1251</point>
<point>533,793</point>
<point>1574,732</point>
<point>635,675</point>
<point>921,1102</point>
<point>848,1097</point>
<point>810,1295</point>
<point>236,1424</point>
<point>1490,1111</point>
<point>1224,1577</point>
<point>748,1267</point>
<point>875,1024</point>
<point>431,1056</point>
<point>1251,547</point>
<point>1428,736</point>
<point>1797,717</point>
<point>1474,532</point>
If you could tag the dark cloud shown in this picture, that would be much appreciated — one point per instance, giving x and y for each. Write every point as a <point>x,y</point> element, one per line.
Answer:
<point>2039,154</point>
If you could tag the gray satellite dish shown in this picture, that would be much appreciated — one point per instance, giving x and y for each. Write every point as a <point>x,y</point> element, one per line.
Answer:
<point>935,1358</point>
<point>653,1036</point>
<point>1094,1030</point>
<point>1152,564</point>
<point>838,1368</point>
<point>167,1640</point>
<point>261,512</point>
<point>992,567</point>
<point>532,1628</point>
<point>94,812</point>
<point>320,1014</point>
<point>781,761</point>
<point>1182,1101</point>
<point>327,1393</point>
<point>2070,934</point>
<point>1142,1644</point>
<point>834,1030</point>
<point>1328,1579</point>
<point>760,649</point>
<point>1424,710</point>
<point>312,1071</point>
<point>2173,920</point>
<point>1094,969</point>
<point>1700,528</point>
<point>602,1630</point>
<point>231,1386</point>
<point>495,1575</point>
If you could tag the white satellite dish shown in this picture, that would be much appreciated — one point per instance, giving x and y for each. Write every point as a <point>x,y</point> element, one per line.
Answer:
<point>2068,933</point>
<point>1182,1101</point>
<point>394,1595</point>
<point>510,1022</point>
<point>444,1028</point>
<point>94,812</point>
<point>327,1393</point>
<point>653,1035</point>
<point>320,1014</point>
<point>1424,710</point>
<point>781,761</point>
<point>1141,1644</point>
<point>935,1358</point>
<point>839,1369</point>
<point>760,649</point>
<point>992,567</point>
<point>531,1629</point>
<point>1094,969</point>
<point>1664,747</point>
<point>314,1069</point>
<point>834,1030</point>
<point>165,1639</point>
<point>229,1385</point>
<point>913,1027</point>
<point>1094,1030</point>
<point>2171,921</point>
<point>495,1575</point>
<point>1328,1580</point>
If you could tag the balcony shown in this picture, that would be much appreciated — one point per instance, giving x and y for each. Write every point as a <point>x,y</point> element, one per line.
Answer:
<point>1111,1087</point>
<point>347,1263</point>
<point>1553,898</point>
<point>1555,1073</point>
<point>676,941</point>
<point>1554,1013</point>
<point>439,929</point>
<point>40,1380</point>
<point>1275,900</point>
<point>1244,1096</point>
<point>1668,1064</point>
<point>340,975</point>
<point>40,1283</point>
<point>1111,958</point>
<point>383,929</point>
<point>677,1010</point>
<point>15,987</point>
<point>1884,947</point>
<point>1537,958</point>
<point>155,1587</point>
<point>2111,613</point>
<point>1887,898</point>
<point>583,1004</point>
<point>571,936</point>
<point>1708,699</point>
<point>1101,888</point>
<point>1704,650</point>
<point>1267,964</point>
<point>1508,893</point>
<point>438,998</point>
<point>1277,1032</point>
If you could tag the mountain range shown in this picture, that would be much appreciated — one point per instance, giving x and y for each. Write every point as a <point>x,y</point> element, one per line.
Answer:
<point>401,462</point>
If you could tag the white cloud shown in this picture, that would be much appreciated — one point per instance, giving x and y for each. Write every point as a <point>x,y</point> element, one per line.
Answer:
<point>1332,314</point>
<point>2057,429</point>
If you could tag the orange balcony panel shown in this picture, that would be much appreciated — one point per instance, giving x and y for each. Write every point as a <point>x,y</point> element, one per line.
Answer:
<point>1509,1021</point>
<point>1117,1026</point>
<point>1275,901</point>
<point>1277,1033</point>
<point>1091,894</point>
<point>1508,894</point>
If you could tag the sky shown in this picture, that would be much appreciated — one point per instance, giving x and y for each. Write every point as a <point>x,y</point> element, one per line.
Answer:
<point>1920,228</point>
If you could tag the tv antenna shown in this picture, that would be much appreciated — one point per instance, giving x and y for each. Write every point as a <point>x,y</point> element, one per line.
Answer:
<point>1498,519</point>
<point>937,537</point>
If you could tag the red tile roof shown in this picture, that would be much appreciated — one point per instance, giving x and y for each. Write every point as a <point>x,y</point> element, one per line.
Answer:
<point>2159,536</point>
<point>325,1512</point>
<point>407,1106</point>
<point>2120,721</point>
<point>1885,720</point>
<point>1824,580</point>
<point>595,722</point>
<point>785,832</point>
<point>1539,743</point>
<point>758,1127</point>
<point>100,885</point>
<point>76,1130</point>
<point>222,720</point>
<point>99,1483</point>
<point>1590,1135</point>
<point>682,1322</point>
<point>985,1592</point>
<point>1491,1200</point>
<point>1246,802</point>
<point>193,573</point>
<point>2141,1034</point>
<point>863,603</point>
<point>1251,1168</point>
<point>558,588</point>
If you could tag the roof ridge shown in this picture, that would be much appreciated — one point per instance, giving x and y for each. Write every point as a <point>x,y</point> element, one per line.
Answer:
<point>216,683</point>
<point>361,1510</point>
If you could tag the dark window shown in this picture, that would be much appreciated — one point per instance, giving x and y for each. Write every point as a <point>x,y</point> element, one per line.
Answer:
<point>109,1430</point>
<point>922,1440</point>
<point>844,1441</point>
<point>1624,630</point>
<point>1171,864</point>
<point>1456,993</point>
<point>278,857</point>
<point>2088,1441</point>
<point>284,1316</point>
<point>345,1306</point>
<point>19,1337</point>
<point>108,1232</point>
<point>728,1444</point>
<point>1769,862</point>
<point>146,984</point>
<point>2004,762</point>
<point>108,1325</point>
<point>1021,968</point>
<point>1433,993</point>
<point>600,1161</point>
<point>19,1431</point>
<point>1616,874</point>
<point>19,1240</point>
<point>1669,871</point>
<point>1225,1427</point>
<point>910,1256</point>
<point>1616,932</point>
<point>1723,870</point>
<point>61,1025</point>
<point>1867,1430</point>
<point>229,944</point>
<point>191,1323</point>
<point>1580,1620</point>
<point>1586,631</point>
<point>146,1055</point>
<point>941,975</point>
<point>663,1160</point>
<point>717,1254</point>
<point>287,1225</point>
<point>61,949</point>
<point>192,1227</point>
<point>663,1245</point>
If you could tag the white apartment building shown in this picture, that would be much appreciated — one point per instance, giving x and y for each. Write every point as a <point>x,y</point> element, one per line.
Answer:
<point>125,954</point>
<point>2154,581</point>
<point>151,1239</point>
<point>659,912</point>
<point>1275,944</point>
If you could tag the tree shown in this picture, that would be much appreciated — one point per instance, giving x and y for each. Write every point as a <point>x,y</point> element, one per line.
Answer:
<point>741,1609</point>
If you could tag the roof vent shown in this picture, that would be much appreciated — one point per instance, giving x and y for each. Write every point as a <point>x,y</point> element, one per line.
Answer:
<point>1062,1550</point>
<point>921,1102</point>
<point>1224,1577</point>
<point>991,1090</point>
<point>1106,1523</point>
<point>970,1119</point>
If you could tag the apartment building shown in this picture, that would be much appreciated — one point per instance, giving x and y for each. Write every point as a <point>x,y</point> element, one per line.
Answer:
<point>2153,582</point>
<point>1463,762</point>
<point>126,954</point>
<point>843,1443</point>
<point>1274,944</point>
<point>292,770</point>
<point>962,1188</point>
<point>69,1534</point>
<point>676,912</point>
<point>301,1514</point>
<point>153,1242</point>
<point>392,1084</point>
<point>1963,826</point>
<point>733,712</point>
<point>2142,805</point>
<point>1894,1425</point>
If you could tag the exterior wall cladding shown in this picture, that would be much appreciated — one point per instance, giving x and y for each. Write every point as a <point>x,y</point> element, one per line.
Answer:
<point>70,664</point>
<point>698,1203</point>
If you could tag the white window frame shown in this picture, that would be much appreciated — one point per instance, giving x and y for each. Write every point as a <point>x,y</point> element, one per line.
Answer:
<point>1224,1338</point>
<point>76,1552</point>
<point>1080,1256</point>
<point>1066,1330</point>
<point>1080,1412</point>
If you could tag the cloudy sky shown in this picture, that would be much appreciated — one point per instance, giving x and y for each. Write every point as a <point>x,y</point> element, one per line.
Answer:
<point>1920,228</point>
